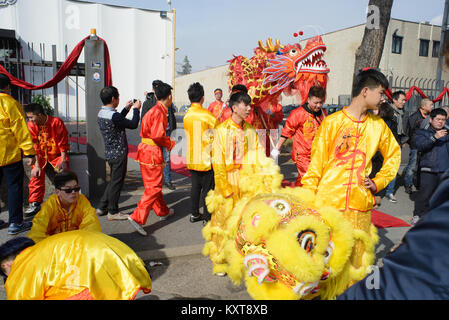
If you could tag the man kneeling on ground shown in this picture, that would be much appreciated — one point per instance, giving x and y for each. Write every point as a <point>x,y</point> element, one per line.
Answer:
<point>66,210</point>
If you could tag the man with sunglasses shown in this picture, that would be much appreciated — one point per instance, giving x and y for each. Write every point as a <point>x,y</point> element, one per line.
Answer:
<point>66,210</point>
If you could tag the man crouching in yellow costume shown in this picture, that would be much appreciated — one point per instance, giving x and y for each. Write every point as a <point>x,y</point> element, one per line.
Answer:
<point>74,265</point>
<point>341,157</point>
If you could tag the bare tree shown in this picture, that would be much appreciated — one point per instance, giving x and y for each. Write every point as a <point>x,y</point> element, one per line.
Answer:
<point>370,51</point>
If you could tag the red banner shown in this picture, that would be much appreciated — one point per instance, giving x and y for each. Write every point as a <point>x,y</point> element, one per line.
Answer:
<point>409,94</point>
<point>65,69</point>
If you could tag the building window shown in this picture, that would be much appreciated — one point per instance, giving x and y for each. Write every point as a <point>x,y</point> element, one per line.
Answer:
<point>424,48</point>
<point>436,49</point>
<point>396,46</point>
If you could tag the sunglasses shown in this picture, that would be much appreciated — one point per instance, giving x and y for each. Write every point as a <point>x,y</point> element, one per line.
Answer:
<point>70,190</point>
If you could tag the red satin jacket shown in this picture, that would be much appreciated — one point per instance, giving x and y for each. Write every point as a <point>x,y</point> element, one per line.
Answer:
<point>153,133</point>
<point>301,126</point>
<point>50,140</point>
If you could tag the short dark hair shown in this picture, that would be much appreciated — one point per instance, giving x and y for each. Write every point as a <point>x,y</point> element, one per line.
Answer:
<point>34,108</point>
<point>12,248</point>
<point>4,81</point>
<point>397,94</point>
<point>195,92</point>
<point>438,112</point>
<point>239,87</point>
<point>318,92</point>
<point>239,97</point>
<point>370,78</point>
<point>63,177</point>
<point>218,89</point>
<point>107,93</point>
<point>161,89</point>
<point>386,111</point>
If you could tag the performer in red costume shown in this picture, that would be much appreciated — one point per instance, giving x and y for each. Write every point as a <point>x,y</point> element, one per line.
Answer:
<point>218,106</point>
<point>51,142</point>
<point>301,126</point>
<point>149,154</point>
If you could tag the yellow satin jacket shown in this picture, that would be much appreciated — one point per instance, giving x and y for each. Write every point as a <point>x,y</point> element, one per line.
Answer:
<point>341,158</point>
<point>53,218</point>
<point>230,146</point>
<point>15,136</point>
<point>199,124</point>
<point>68,263</point>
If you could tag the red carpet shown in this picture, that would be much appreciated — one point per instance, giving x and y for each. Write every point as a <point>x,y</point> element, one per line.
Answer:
<point>383,220</point>
<point>378,218</point>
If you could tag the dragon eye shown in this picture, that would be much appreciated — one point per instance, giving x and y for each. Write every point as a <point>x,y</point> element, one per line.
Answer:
<point>307,240</point>
<point>293,52</point>
<point>282,207</point>
<point>328,253</point>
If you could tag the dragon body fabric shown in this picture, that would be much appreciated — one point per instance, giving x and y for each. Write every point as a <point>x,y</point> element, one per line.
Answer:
<point>277,69</point>
<point>282,244</point>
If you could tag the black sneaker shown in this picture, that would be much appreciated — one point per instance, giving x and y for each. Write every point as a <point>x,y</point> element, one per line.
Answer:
<point>408,189</point>
<point>196,218</point>
<point>170,185</point>
<point>32,209</point>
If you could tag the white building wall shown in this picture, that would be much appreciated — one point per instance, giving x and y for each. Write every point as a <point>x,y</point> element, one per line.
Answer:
<point>140,43</point>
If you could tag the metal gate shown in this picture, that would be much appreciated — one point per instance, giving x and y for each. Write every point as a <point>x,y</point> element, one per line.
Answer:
<point>428,86</point>
<point>36,64</point>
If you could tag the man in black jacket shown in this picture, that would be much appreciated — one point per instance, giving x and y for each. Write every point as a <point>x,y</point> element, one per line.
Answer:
<point>413,124</point>
<point>171,126</point>
<point>433,145</point>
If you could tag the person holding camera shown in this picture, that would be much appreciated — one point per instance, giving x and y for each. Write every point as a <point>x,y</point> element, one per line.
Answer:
<point>433,145</point>
<point>113,125</point>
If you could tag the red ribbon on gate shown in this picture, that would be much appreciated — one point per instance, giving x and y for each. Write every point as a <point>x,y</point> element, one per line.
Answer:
<point>64,71</point>
<point>409,94</point>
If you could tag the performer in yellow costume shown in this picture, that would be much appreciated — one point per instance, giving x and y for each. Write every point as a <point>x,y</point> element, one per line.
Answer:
<point>66,210</point>
<point>341,160</point>
<point>81,265</point>
<point>233,139</point>
<point>199,125</point>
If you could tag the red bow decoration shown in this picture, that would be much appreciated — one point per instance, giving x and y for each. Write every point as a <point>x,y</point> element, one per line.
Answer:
<point>65,69</point>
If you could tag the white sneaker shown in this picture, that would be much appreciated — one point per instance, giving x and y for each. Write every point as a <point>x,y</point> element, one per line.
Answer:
<point>220,274</point>
<point>414,220</point>
<point>170,213</point>
<point>137,226</point>
<point>392,198</point>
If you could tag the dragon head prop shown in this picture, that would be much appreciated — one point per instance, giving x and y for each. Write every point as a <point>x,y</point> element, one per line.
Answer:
<point>296,70</point>
<point>276,69</point>
<point>284,244</point>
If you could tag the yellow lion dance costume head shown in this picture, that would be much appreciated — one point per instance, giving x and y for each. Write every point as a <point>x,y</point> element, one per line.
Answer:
<point>285,247</point>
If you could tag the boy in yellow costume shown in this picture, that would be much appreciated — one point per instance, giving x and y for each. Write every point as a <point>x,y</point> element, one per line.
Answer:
<point>341,160</point>
<point>66,210</point>
<point>75,265</point>
<point>199,124</point>
<point>233,139</point>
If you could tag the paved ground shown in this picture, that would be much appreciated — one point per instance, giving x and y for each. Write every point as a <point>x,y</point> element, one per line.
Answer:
<point>177,243</point>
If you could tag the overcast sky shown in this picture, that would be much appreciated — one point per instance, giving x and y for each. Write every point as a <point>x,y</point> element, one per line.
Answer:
<point>209,32</point>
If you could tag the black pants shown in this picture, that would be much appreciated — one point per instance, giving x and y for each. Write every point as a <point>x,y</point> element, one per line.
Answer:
<point>429,181</point>
<point>111,196</point>
<point>14,174</point>
<point>202,182</point>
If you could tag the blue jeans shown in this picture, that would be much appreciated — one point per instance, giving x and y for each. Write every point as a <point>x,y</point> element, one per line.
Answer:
<point>390,188</point>
<point>411,168</point>
<point>14,174</point>
<point>167,169</point>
